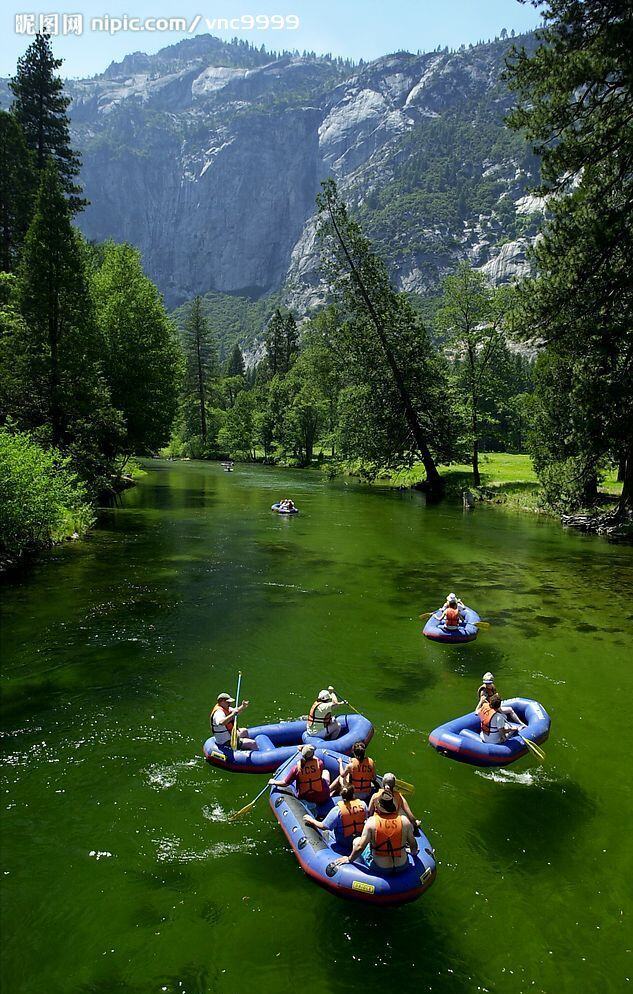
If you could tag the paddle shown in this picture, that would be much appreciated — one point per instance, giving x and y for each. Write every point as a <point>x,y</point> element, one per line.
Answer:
<point>482,624</point>
<point>234,730</point>
<point>249,807</point>
<point>532,746</point>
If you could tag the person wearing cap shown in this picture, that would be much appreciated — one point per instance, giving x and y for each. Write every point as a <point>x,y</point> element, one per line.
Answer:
<point>388,792</point>
<point>484,694</point>
<point>389,836</point>
<point>451,613</point>
<point>321,721</point>
<point>222,720</point>
<point>309,777</point>
<point>346,820</point>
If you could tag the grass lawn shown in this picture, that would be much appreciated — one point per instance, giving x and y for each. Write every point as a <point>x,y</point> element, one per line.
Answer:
<point>511,475</point>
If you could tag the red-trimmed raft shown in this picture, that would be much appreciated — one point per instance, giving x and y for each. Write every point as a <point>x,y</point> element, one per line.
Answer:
<point>277,743</point>
<point>358,881</point>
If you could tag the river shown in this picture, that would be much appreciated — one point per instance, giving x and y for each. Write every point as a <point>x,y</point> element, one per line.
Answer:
<point>121,873</point>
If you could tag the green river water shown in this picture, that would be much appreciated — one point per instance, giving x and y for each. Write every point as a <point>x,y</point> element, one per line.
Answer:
<point>121,873</point>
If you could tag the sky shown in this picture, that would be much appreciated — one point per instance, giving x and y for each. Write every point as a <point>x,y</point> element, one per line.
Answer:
<point>355,28</point>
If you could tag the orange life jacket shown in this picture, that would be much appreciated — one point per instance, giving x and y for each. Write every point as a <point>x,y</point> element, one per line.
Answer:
<point>309,779</point>
<point>325,721</point>
<point>389,836</point>
<point>362,773</point>
<point>486,714</point>
<point>452,618</point>
<point>228,725</point>
<point>353,817</point>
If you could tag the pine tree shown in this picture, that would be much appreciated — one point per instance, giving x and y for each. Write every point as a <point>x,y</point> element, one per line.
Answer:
<point>235,365</point>
<point>64,395</point>
<point>40,107</point>
<point>574,103</point>
<point>16,190</point>
<point>276,343</point>
<point>202,360</point>
<point>291,342</point>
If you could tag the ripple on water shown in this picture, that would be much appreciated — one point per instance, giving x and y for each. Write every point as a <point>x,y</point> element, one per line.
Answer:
<point>164,777</point>
<point>171,850</point>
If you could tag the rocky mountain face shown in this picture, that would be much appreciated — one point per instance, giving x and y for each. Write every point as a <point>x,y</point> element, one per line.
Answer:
<point>208,157</point>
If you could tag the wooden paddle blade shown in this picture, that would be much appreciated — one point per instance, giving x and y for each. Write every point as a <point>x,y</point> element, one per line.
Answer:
<point>407,788</point>
<point>427,614</point>
<point>243,811</point>
<point>532,746</point>
<point>482,624</point>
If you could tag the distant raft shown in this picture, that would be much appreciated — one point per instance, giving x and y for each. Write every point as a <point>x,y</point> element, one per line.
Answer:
<point>360,880</point>
<point>284,510</point>
<point>278,743</point>
<point>460,738</point>
<point>467,631</point>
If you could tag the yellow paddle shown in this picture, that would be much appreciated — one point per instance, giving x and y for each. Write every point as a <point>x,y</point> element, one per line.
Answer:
<point>249,807</point>
<point>534,748</point>
<point>234,730</point>
<point>482,624</point>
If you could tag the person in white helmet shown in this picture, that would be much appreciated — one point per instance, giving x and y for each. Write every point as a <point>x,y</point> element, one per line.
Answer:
<point>452,613</point>
<point>321,721</point>
<point>486,692</point>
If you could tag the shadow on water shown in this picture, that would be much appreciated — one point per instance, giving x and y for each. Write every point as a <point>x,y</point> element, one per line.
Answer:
<point>190,979</point>
<point>374,944</point>
<point>539,823</point>
<point>403,680</point>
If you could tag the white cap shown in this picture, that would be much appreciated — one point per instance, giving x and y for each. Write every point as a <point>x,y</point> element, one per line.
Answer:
<point>227,698</point>
<point>488,678</point>
<point>324,695</point>
<point>307,750</point>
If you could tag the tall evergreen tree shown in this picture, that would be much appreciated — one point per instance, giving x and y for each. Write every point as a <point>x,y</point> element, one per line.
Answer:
<point>141,358</point>
<point>575,93</point>
<point>291,335</point>
<point>235,365</point>
<point>276,343</point>
<point>58,346</point>
<point>40,108</point>
<point>16,190</point>
<point>202,360</point>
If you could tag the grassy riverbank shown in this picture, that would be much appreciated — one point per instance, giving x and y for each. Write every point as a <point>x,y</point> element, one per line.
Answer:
<point>506,478</point>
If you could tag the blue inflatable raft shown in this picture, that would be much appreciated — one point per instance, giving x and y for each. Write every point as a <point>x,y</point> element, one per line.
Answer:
<point>467,631</point>
<point>277,743</point>
<point>276,507</point>
<point>361,880</point>
<point>460,738</point>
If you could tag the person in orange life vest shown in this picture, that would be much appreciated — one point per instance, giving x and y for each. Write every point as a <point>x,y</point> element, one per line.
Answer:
<point>495,727</point>
<point>311,779</point>
<point>486,691</point>
<point>346,820</point>
<point>451,613</point>
<point>222,719</point>
<point>389,836</point>
<point>359,773</point>
<point>388,791</point>
<point>321,722</point>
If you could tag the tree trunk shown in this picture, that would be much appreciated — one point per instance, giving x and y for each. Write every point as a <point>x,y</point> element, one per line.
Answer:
<point>625,504</point>
<point>475,428</point>
<point>203,413</point>
<point>433,478</point>
<point>54,380</point>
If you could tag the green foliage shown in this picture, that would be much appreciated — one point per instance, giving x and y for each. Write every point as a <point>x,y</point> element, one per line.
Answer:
<point>40,107</point>
<point>41,498</point>
<point>385,350</point>
<point>16,190</point>
<point>574,98</point>
<point>232,318</point>
<point>133,323</point>
<point>56,348</point>
<point>235,363</point>
<point>282,343</point>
